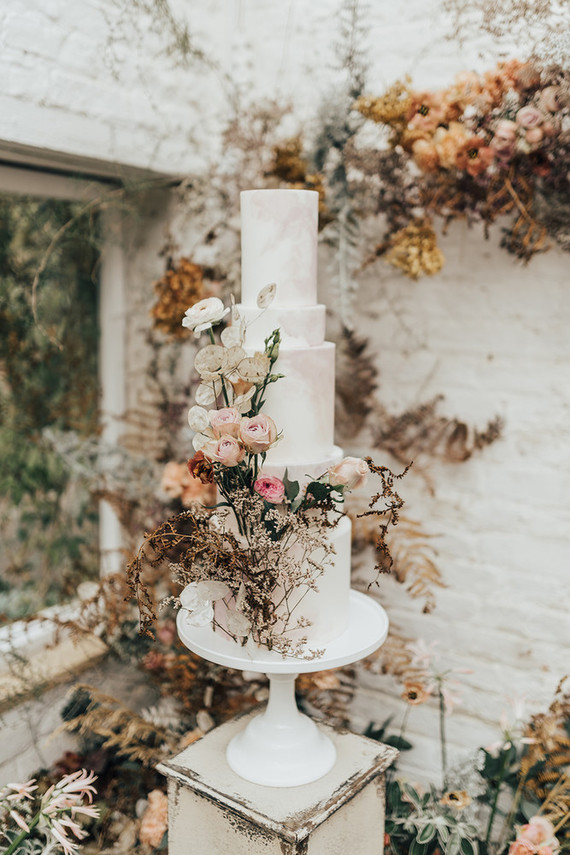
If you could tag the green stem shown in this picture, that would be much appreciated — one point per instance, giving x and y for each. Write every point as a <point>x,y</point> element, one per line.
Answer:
<point>22,836</point>
<point>495,800</point>
<point>442,737</point>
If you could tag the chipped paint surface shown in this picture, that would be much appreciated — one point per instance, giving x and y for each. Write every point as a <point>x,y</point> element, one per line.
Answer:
<point>344,808</point>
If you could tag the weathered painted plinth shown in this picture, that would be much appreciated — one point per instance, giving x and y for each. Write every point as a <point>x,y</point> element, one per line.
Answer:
<point>212,811</point>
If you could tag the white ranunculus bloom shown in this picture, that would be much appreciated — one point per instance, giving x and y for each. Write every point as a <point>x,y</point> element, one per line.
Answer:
<point>204,314</point>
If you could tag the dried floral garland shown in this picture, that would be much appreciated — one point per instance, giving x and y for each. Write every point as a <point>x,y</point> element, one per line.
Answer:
<point>490,145</point>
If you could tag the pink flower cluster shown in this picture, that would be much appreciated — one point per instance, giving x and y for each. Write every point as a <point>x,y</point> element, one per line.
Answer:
<point>482,121</point>
<point>236,435</point>
<point>535,838</point>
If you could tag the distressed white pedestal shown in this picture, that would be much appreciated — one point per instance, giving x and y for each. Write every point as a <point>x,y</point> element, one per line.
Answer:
<point>213,811</point>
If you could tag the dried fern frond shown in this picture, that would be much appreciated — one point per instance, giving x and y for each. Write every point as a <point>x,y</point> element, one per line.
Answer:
<point>119,728</point>
<point>413,557</point>
<point>422,431</point>
<point>355,384</point>
<point>394,657</point>
<point>548,756</point>
<point>330,692</point>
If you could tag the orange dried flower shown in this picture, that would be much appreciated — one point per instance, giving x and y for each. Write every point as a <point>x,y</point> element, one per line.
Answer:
<point>428,110</point>
<point>456,798</point>
<point>176,291</point>
<point>415,693</point>
<point>425,154</point>
<point>201,468</point>
<point>448,142</point>
<point>474,156</point>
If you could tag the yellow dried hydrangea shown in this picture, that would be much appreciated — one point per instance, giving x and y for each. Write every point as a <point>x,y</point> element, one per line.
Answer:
<point>414,250</point>
<point>180,287</point>
<point>391,108</point>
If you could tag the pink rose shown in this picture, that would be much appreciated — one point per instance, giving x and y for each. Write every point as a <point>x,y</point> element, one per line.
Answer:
<point>352,473</point>
<point>529,117</point>
<point>537,831</point>
<point>257,433</point>
<point>521,847</point>
<point>225,421</point>
<point>270,488</point>
<point>225,450</point>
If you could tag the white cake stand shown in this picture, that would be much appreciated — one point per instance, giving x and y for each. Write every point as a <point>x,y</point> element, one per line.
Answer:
<point>281,747</point>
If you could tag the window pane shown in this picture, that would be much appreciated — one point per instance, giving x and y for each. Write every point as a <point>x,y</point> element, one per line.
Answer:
<point>48,400</point>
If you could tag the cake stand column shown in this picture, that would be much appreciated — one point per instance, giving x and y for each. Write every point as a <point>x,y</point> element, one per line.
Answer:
<point>281,747</point>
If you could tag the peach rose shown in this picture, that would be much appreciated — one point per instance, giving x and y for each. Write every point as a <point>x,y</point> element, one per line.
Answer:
<point>225,421</point>
<point>155,819</point>
<point>257,433</point>
<point>534,135</point>
<point>529,117</point>
<point>503,142</point>
<point>352,473</point>
<point>448,142</point>
<point>270,488</point>
<point>225,450</point>
<point>425,155</point>
<point>537,831</point>
<point>549,99</point>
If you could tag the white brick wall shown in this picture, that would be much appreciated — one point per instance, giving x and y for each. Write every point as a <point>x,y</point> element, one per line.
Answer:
<point>489,334</point>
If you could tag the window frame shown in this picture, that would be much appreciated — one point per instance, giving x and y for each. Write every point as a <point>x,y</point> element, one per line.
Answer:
<point>29,637</point>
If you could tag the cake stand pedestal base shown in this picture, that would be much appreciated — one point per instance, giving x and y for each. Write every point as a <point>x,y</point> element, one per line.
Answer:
<point>282,747</point>
<point>213,811</point>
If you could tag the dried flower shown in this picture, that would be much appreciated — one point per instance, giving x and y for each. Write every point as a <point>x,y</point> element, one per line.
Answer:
<point>474,156</point>
<point>458,799</point>
<point>415,693</point>
<point>154,822</point>
<point>200,467</point>
<point>414,250</point>
<point>181,286</point>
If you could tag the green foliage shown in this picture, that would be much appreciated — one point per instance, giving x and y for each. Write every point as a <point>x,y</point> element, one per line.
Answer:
<point>48,379</point>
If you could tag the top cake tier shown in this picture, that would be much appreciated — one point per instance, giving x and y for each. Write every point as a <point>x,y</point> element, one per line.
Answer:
<point>279,244</point>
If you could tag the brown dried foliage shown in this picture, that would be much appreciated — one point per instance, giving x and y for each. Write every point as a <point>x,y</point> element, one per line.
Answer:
<point>386,514</point>
<point>180,287</point>
<point>355,384</point>
<point>548,757</point>
<point>412,555</point>
<point>422,431</point>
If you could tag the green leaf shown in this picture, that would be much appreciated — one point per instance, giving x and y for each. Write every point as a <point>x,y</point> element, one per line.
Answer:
<point>318,490</point>
<point>443,834</point>
<point>417,848</point>
<point>291,488</point>
<point>468,847</point>
<point>412,794</point>
<point>397,742</point>
<point>453,844</point>
<point>426,834</point>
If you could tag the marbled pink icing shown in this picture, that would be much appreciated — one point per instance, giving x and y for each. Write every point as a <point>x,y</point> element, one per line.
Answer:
<point>278,243</point>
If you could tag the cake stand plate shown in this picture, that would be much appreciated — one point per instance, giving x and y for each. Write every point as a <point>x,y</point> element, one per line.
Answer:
<point>281,747</point>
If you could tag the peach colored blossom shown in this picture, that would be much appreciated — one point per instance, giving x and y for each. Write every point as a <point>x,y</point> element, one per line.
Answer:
<point>155,819</point>
<point>225,420</point>
<point>548,99</point>
<point>529,117</point>
<point>258,433</point>
<point>427,110</point>
<point>447,143</point>
<point>537,830</point>
<point>534,135</point>
<point>351,473</point>
<point>225,450</point>
<point>425,154</point>
<point>474,156</point>
<point>170,483</point>
<point>415,693</point>
<point>270,488</point>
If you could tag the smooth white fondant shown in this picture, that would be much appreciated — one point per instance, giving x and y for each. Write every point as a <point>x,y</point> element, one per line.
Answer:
<point>299,327</point>
<point>278,243</point>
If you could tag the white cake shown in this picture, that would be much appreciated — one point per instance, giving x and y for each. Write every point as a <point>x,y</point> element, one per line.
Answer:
<point>279,245</point>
